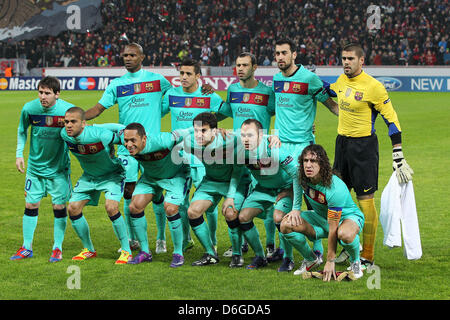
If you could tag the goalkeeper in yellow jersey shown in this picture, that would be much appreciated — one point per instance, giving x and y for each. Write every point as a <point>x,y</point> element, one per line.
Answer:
<point>361,98</point>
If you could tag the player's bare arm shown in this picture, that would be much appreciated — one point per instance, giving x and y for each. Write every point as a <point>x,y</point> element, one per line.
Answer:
<point>332,106</point>
<point>94,112</point>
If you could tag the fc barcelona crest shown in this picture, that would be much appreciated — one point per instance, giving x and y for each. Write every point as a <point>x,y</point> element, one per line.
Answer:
<point>246,97</point>
<point>297,87</point>
<point>49,121</point>
<point>61,122</point>
<point>286,86</point>
<point>149,86</point>
<point>200,102</point>
<point>137,87</point>
<point>188,102</point>
<point>258,98</point>
<point>358,95</point>
<point>92,149</point>
<point>321,198</point>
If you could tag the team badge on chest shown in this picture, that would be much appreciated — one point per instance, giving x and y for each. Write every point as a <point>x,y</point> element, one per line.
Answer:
<point>358,95</point>
<point>188,102</point>
<point>348,92</point>
<point>246,97</point>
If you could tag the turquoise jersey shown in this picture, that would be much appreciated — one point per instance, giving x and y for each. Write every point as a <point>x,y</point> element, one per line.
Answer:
<point>48,152</point>
<point>94,150</point>
<point>159,157</point>
<point>250,103</point>
<point>265,163</point>
<point>296,99</point>
<point>139,96</point>
<point>185,106</point>
<point>337,197</point>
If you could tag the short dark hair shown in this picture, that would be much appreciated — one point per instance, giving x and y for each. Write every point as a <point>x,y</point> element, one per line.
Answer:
<point>192,63</point>
<point>51,83</point>
<point>138,127</point>
<point>135,45</point>
<point>248,54</point>
<point>291,44</point>
<point>326,172</point>
<point>253,121</point>
<point>78,110</point>
<point>356,48</point>
<point>206,118</point>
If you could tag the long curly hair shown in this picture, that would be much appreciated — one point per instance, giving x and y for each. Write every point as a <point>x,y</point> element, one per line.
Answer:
<point>325,172</point>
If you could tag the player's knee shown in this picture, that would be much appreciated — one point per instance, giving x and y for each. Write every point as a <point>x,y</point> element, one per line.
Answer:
<point>134,208</point>
<point>112,207</point>
<point>171,209</point>
<point>73,209</point>
<point>230,214</point>
<point>345,235</point>
<point>244,217</point>
<point>277,217</point>
<point>285,227</point>
<point>32,206</point>
<point>193,212</point>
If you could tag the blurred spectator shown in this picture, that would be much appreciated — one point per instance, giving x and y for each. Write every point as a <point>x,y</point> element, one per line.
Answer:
<point>411,32</point>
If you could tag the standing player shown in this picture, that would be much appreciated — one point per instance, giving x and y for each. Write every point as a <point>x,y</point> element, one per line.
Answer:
<point>222,180</point>
<point>184,103</point>
<point>297,91</point>
<point>252,99</point>
<point>138,94</point>
<point>361,98</point>
<point>273,170</point>
<point>154,153</point>
<point>334,216</point>
<point>92,146</point>
<point>48,169</point>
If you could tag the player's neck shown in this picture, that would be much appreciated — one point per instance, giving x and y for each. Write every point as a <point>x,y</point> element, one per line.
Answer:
<point>357,73</point>
<point>290,71</point>
<point>133,71</point>
<point>249,83</point>
<point>191,89</point>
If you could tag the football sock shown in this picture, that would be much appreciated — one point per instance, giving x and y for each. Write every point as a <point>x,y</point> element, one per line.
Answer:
<point>235,236</point>
<point>176,232</point>
<point>81,227</point>
<point>185,220</point>
<point>139,226</point>
<point>285,245</point>
<point>29,223</point>
<point>317,245</point>
<point>269,225</point>
<point>252,235</point>
<point>120,229</point>
<point>298,241</point>
<point>352,248</point>
<point>160,218</point>
<point>370,228</point>
<point>59,227</point>
<point>201,230</point>
<point>211,217</point>
<point>127,218</point>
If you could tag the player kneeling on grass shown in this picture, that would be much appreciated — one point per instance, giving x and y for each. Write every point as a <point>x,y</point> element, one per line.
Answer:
<point>102,172</point>
<point>334,216</point>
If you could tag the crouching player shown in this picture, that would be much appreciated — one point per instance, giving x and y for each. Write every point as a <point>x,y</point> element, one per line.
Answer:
<point>102,172</point>
<point>334,216</point>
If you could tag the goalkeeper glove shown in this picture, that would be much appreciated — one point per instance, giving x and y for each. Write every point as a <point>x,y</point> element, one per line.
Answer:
<point>402,169</point>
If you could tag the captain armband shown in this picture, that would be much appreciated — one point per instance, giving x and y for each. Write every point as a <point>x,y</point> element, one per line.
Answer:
<point>334,214</point>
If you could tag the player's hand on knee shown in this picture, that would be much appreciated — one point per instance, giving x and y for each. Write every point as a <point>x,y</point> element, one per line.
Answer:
<point>228,204</point>
<point>294,218</point>
<point>402,169</point>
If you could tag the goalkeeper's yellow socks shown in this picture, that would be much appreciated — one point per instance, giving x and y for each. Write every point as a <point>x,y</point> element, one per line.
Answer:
<point>370,228</point>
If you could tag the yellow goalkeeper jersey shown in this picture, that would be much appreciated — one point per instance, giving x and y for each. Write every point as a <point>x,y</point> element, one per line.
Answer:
<point>360,100</point>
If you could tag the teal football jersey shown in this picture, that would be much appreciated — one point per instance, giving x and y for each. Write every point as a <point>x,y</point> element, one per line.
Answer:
<point>139,96</point>
<point>296,99</point>
<point>48,152</point>
<point>250,103</point>
<point>337,197</point>
<point>94,149</point>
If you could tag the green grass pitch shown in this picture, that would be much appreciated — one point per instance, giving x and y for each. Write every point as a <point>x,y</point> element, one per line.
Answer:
<point>424,119</point>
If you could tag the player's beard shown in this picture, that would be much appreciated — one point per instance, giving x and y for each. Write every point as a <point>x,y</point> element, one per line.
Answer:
<point>286,66</point>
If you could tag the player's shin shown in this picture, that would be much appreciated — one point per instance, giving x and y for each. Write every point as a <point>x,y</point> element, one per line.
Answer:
<point>81,227</point>
<point>370,228</point>
<point>211,217</point>
<point>139,226</point>
<point>285,245</point>
<point>352,248</point>
<point>201,230</point>
<point>252,235</point>
<point>59,227</point>
<point>160,218</point>
<point>235,235</point>
<point>120,229</point>
<point>298,241</point>
<point>176,232</point>
<point>29,223</point>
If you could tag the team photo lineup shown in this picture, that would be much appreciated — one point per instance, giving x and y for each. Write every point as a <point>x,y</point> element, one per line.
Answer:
<point>257,173</point>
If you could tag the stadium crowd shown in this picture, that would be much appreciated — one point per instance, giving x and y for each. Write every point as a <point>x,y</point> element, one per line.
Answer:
<point>411,32</point>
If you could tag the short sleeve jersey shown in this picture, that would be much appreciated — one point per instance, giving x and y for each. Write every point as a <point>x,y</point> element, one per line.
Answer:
<point>296,99</point>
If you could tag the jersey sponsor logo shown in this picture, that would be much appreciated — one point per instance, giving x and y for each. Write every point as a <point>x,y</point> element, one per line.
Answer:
<point>153,156</point>
<point>316,195</point>
<point>90,148</point>
<point>291,87</point>
<point>47,121</point>
<point>138,88</point>
<point>359,95</point>
<point>189,102</point>
<point>249,98</point>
